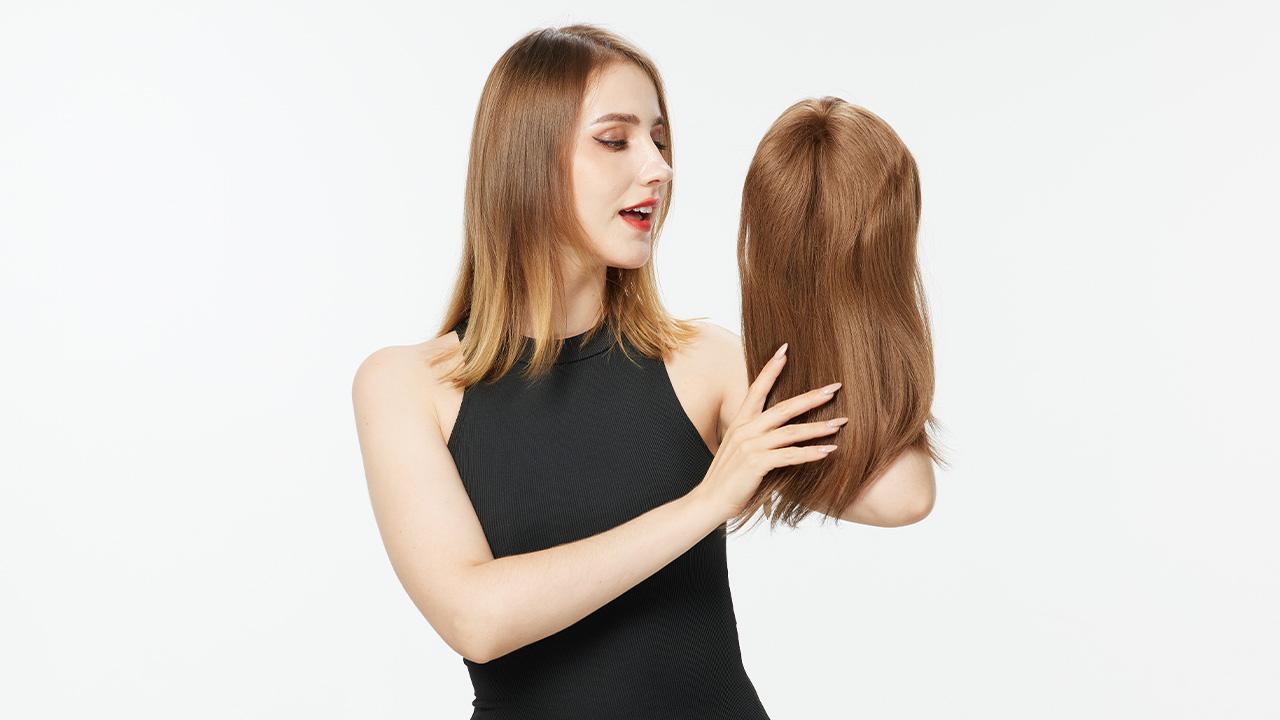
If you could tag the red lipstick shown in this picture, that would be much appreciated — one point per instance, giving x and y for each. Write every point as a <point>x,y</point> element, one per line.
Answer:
<point>637,218</point>
<point>647,202</point>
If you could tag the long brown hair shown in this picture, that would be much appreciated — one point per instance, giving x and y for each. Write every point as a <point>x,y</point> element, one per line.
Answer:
<point>827,260</point>
<point>520,220</point>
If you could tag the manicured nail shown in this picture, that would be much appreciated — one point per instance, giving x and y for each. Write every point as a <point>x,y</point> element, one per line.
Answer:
<point>827,448</point>
<point>830,389</point>
<point>837,422</point>
<point>781,351</point>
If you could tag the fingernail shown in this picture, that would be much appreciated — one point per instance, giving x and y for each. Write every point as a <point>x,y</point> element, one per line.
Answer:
<point>827,448</point>
<point>781,351</point>
<point>837,422</point>
<point>828,390</point>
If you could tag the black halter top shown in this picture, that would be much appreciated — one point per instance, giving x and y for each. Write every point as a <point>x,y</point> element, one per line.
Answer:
<point>600,440</point>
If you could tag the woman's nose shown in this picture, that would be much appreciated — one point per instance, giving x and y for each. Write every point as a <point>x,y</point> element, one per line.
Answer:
<point>655,169</point>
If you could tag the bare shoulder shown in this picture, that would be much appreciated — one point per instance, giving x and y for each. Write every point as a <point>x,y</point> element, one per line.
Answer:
<point>396,364</point>
<point>717,344</point>
<point>724,367</point>
<point>710,348</point>
<point>400,373</point>
<point>715,333</point>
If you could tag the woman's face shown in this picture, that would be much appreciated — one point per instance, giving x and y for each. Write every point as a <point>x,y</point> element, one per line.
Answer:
<point>616,164</point>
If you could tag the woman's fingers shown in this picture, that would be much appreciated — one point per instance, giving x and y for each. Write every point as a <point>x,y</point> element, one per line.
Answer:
<point>796,455</point>
<point>798,432</point>
<point>751,443</point>
<point>760,387</point>
<point>793,406</point>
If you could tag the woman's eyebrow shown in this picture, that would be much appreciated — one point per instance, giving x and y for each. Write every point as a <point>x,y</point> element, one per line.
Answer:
<point>626,118</point>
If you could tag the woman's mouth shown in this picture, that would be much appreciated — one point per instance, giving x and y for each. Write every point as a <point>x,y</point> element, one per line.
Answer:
<point>638,219</point>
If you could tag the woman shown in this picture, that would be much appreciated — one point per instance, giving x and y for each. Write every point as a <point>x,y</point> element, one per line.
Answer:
<point>551,475</point>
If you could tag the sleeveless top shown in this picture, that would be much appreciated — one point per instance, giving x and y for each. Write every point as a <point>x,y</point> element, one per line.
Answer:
<point>595,443</point>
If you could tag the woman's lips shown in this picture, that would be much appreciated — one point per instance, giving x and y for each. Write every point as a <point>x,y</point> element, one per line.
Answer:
<point>642,225</point>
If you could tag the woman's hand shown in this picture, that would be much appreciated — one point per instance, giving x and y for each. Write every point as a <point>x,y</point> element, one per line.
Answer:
<point>754,443</point>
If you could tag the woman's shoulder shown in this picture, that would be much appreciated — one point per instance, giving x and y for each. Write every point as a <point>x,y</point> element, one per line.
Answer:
<point>404,370</point>
<point>412,361</point>
<point>723,361</point>
<point>717,358</point>
<point>709,345</point>
<point>716,337</point>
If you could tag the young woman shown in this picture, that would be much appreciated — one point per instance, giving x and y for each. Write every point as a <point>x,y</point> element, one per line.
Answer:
<point>552,473</point>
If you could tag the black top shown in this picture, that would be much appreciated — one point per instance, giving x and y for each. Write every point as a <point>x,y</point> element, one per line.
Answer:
<point>595,443</point>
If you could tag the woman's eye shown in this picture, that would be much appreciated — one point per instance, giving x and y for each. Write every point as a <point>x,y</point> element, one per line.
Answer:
<point>619,144</point>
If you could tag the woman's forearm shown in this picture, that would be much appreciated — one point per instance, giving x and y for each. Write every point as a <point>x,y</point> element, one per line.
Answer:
<point>532,595</point>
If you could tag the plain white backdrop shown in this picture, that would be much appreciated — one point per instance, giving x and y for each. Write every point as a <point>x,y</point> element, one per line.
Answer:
<point>210,213</point>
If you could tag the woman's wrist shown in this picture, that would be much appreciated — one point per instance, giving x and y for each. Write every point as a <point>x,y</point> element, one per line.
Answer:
<point>709,511</point>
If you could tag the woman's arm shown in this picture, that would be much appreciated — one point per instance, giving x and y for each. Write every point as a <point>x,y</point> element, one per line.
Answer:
<point>482,607</point>
<point>539,593</point>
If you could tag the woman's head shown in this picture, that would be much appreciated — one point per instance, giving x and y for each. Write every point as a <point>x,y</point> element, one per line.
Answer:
<point>571,128</point>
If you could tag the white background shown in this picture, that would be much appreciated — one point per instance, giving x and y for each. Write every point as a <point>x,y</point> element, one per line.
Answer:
<point>210,213</point>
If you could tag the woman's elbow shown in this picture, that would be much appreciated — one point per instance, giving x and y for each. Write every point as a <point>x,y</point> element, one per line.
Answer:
<point>918,492</point>
<point>474,639</point>
<point>917,510</point>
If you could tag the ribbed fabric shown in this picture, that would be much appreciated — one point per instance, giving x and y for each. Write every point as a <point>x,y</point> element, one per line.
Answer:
<point>594,444</point>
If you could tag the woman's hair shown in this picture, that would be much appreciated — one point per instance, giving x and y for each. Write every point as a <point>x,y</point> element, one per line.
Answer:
<point>827,259</point>
<point>520,219</point>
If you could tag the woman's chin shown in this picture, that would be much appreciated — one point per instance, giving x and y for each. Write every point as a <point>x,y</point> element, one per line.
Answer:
<point>631,258</point>
<point>634,263</point>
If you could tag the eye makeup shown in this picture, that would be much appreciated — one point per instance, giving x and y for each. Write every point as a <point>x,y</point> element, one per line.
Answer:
<point>620,144</point>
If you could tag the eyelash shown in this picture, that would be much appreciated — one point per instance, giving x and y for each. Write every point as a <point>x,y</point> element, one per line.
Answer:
<point>619,144</point>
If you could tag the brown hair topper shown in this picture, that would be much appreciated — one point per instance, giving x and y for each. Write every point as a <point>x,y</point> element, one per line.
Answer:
<point>520,168</point>
<point>827,259</point>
